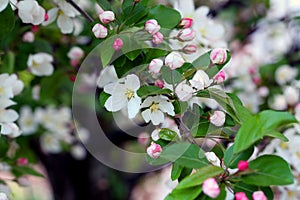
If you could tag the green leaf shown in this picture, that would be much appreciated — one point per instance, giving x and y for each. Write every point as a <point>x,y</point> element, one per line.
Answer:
<point>229,102</point>
<point>176,171</point>
<point>260,125</point>
<point>7,21</point>
<point>269,170</point>
<point>132,55</point>
<point>279,135</point>
<point>20,171</point>
<point>8,63</point>
<point>167,134</point>
<point>184,194</point>
<point>103,98</point>
<point>231,159</point>
<point>202,62</point>
<point>185,154</point>
<point>201,175</point>
<point>149,90</point>
<point>160,12</point>
<point>170,76</point>
<point>106,53</point>
<point>180,107</point>
<point>104,4</point>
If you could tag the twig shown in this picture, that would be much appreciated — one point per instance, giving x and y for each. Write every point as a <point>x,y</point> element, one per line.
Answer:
<point>89,18</point>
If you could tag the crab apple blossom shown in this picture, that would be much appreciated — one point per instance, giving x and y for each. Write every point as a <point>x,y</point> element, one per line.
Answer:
<point>152,26</point>
<point>10,85</point>
<point>40,64</point>
<point>213,159</point>
<point>31,12</point>
<point>118,44</point>
<point>27,121</point>
<point>243,165</point>
<point>220,77</point>
<point>183,91</point>
<point>211,188</point>
<point>155,65</point>
<point>218,56</point>
<point>154,150</point>
<point>259,195</point>
<point>159,83</point>
<point>123,95</point>
<point>28,37</point>
<point>186,34</point>
<point>240,196</point>
<point>185,23</point>
<point>157,38</point>
<point>107,17</point>
<point>75,53</point>
<point>7,115</point>
<point>157,106</point>
<point>285,74</point>
<point>10,129</point>
<point>218,118</point>
<point>189,49</point>
<point>107,75</point>
<point>200,80</point>
<point>22,161</point>
<point>291,95</point>
<point>100,31</point>
<point>174,60</point>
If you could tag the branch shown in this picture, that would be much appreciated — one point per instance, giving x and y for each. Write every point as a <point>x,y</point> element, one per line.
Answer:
<point>89,18</point>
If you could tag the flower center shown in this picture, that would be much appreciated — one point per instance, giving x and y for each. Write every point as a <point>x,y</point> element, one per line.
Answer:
<point>283,145</point>
<point>1,90</point>
<point>298,154</point>
<point>129,94</point>
<point>154,107</point>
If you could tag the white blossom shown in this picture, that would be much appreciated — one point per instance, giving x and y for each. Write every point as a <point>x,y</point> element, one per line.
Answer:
<point>40,64</point>
<point>200,80</point>
<point>157,106</point>
<point>123,95</point>
<point>31,12</point>
<point>28,121</point>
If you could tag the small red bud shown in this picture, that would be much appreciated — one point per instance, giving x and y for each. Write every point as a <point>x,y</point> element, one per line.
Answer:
<point>243,165</point>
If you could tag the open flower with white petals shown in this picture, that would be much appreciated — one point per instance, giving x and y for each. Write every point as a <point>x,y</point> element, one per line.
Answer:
<point>65,14</point>
<point>123,94</point>
<point>201,80</point>
<point>31,12</point>
<point>10,85</point>
<point>27,122</point>
<point>40,64</point>
<point>157,106</point>
<point>7,115</point>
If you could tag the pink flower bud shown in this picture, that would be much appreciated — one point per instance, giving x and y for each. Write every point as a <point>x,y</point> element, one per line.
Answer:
<point>220,77</point>
<point>157,38</point>
<point>106,17</point>
<point>75,53</point>
<point>143,138</point>
<point>159,83</point>
<point>22,161</point>
<point>155,65</point>
<point>99,31</point>
<point>152,27</point>
<point>189,49</point>
<point>252,70</point>
<point>218,118</point>
<point>46,17</point>
<point>256,80</point>
<point>74,63</point>
<point>28,37</point>
<point>185,23</point>
<point>186,34</point>
<point>35,28</point>
<point>241,196</point>
<point>118,44</point>
<point>259,195</point>
<point>211,188</point>
<point>174,60</point>
<point>243,165</point>
<point>72,78</point>
<point>154,150</point>
<point>218,56</point>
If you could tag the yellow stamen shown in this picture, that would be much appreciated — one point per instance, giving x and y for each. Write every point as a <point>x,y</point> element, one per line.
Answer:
<point>154,107</point>
<point>129,94</point>
<point>283,145</point>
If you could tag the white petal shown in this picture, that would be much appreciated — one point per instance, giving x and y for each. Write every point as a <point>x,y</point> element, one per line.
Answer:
<point>107,75</point>
<point>3,4</point>
<point>132,82</point>
<point>9,116</point>
<point>148,101</point>
<point>146,115</point>
<point>167,107</point>
<point>134,106</point>
<point>157,117</point>
<point>52,14</point>
<point>115,103</point>
<point>65,24</point>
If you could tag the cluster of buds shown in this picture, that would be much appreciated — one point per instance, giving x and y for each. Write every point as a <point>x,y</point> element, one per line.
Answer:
<point>99,30</point>
<point>258,195</point>
<point>152,27</point>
